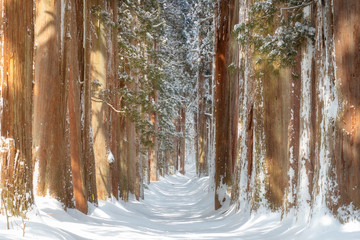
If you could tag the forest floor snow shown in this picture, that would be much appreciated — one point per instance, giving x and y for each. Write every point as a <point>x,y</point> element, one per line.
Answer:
<point>176,207</point>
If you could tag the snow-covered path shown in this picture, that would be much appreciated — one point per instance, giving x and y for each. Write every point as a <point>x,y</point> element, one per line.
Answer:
<point>177,207</point>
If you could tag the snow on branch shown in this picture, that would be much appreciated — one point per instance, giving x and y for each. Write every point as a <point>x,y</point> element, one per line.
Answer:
<point>298,6</point>
<point>205,19</point>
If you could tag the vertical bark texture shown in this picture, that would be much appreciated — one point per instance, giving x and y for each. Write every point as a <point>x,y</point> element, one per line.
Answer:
<point>49,126</point>
<point>98,68</point>
<point>16,46</point>
<point>114,117</point>
<point>87,132</point>
<point>347,58</point>
<point>223,95</point>
<point>131,154</point>
<point>299,143</point>
<point>73,74</point>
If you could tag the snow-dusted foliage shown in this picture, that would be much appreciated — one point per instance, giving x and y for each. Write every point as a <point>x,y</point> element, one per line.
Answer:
<point>279,44</point>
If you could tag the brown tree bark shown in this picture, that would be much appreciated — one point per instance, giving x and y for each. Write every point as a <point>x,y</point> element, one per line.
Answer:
<point>16,77</point>
<point>131,154</point>
<point>223,143</point>
<point>98,75</point>
<point>86,130</point>
<point>347,59</point>
<point>114,117</point>
<point>49,126</point>
<point>73,43</point>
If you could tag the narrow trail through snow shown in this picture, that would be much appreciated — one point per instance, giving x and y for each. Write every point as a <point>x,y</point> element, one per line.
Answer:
<point>176,207</point>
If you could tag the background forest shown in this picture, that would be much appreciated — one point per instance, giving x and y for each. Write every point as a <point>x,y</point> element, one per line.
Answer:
<point>99,98</point>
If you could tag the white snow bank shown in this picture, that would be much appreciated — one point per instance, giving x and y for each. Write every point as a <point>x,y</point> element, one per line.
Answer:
<point>176,207</point>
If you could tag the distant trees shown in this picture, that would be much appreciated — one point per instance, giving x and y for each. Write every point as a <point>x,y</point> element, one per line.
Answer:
<point>201,57</point>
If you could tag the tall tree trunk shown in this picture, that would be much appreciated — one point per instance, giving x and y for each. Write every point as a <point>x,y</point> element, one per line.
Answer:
<point>114,116</point>
<point>182,122</point>
<point>49,126</point>
<point>131,154</point>
<point>16,92</point>
<point>98,61</point>
<point>74,75</point>
<point>87,132</point>
<point>153,153</point>
<point>223,143</point>
<point>124,185</point>
<point>202,137</point>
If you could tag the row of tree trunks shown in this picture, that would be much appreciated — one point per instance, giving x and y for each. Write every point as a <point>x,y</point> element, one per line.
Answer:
<point>16,48</point>
<point>299,143</point>
<point>63,156</point>
<point>201,120</point>
<point>66,136</point>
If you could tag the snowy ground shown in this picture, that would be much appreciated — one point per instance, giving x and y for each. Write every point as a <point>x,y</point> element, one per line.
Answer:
<point>177,207</point>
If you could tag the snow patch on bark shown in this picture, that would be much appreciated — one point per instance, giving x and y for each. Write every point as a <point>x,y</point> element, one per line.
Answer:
<point>62,23</point>
<point>222,195</point>
<point>328,98</point>
<point>111,158</point>
<point>35,175</point>
<point>303,196</point>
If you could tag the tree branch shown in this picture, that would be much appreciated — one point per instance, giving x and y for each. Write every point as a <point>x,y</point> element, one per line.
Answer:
<point>103,101</point>
<point>298,6</point>
<point>205,19</point>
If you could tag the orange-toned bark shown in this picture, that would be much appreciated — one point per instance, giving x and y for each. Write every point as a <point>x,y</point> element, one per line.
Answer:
<point>98,75</point>
<point>114,119</point>
<point>347,58</point>
<point>73,75</point>
<point>49,144</point>
<point>16,25</point>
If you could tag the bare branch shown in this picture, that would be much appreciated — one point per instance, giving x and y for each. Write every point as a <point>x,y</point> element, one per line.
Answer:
<point>205,19</point>
<point>298,6</point>
<point>103,101</point>
<point>195,50</point>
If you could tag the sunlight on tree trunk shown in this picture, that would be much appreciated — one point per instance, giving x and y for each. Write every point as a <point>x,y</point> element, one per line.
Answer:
<point>16,93</point>
<point>98,61</point>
